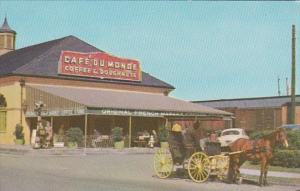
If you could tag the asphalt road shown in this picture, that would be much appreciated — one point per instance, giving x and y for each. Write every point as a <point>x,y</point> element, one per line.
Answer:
<point>107,172</point>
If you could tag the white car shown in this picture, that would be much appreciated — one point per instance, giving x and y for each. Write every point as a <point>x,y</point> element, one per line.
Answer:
<point>230,135</point>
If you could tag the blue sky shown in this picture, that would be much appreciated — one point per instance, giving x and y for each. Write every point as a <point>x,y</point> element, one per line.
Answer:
<point>207,50</point>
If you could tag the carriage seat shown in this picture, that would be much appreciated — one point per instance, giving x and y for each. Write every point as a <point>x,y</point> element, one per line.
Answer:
<point>212,148</point>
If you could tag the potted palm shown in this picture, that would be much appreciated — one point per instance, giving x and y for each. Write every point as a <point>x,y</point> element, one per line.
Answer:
<point>19,135</point>
<point>117,135</point>
<point>163,136</point>
<point>74,137</point>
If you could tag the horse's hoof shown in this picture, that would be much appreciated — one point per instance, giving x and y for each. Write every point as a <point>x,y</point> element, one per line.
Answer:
<point>266,184</point>
<point>240,180</point>
<point>260,183</point>
<point>228,181</point>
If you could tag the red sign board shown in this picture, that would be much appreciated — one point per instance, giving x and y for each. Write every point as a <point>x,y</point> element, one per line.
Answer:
<point>99,65</point>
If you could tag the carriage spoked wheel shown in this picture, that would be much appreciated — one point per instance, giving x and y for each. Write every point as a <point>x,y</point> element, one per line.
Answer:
<point>163,163</point>
<point>199,167</point>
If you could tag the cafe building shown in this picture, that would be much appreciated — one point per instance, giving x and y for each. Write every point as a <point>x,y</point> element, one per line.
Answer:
<point>83,86</point>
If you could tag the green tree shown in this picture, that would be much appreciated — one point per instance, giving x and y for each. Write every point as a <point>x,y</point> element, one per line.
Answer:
<point>163,134</point>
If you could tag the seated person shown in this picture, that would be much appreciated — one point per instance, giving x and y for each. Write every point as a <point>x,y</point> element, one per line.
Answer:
<point>96,138</point>
<point>212,146</point>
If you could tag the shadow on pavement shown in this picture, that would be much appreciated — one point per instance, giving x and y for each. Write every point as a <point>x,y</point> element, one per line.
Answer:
<point>181,174</point>
<point>251,182</point>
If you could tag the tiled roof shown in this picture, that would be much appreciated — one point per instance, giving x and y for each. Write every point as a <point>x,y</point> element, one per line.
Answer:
<point>42,60</point>
<point>259,102</point>
<point>96,98</point>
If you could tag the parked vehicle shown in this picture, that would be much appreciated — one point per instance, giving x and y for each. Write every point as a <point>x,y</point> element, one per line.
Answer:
<point>230,135</point>
<point>293,127</point>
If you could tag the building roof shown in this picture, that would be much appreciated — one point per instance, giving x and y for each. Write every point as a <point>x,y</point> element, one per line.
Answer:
<point>6,28</point>
<point>41,60</point>
<point>128,100</point>
<point>257,102</point>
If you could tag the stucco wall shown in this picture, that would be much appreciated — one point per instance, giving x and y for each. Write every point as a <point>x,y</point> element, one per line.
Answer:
<point>12,93</point>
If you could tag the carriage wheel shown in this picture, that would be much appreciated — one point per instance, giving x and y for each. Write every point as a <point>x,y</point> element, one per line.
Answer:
<point>163,163</point>
<point>199,167</point>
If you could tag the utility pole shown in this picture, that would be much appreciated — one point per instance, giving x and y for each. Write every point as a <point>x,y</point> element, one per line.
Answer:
<point>287,87</point>
<point>293,104</point>
<point>278,83</point>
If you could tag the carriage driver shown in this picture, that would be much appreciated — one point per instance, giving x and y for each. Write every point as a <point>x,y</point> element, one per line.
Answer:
<point>175,140</point>
<point>191,140</point>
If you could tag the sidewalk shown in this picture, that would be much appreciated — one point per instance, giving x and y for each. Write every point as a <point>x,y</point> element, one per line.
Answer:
<point>271,173</point>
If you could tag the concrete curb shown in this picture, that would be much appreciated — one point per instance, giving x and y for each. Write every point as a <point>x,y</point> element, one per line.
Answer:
<point>28,150</point>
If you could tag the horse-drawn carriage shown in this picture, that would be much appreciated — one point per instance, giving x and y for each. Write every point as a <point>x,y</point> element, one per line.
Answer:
<point>199,166</point>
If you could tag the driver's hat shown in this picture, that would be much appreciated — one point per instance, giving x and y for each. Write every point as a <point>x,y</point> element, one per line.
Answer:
<point>176,128</point>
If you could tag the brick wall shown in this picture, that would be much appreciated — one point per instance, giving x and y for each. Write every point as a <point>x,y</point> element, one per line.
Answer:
<point>251,119</point>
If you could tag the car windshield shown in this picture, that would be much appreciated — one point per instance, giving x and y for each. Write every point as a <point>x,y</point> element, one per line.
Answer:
<point>230,133</point>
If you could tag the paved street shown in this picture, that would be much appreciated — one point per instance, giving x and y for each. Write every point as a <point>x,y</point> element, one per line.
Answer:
<point>109,172</point>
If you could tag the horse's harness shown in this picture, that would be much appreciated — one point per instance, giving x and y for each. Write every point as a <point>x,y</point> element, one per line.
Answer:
<point>256,149</point>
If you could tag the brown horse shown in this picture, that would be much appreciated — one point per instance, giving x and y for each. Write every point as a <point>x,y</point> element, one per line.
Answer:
<point>261,149</point>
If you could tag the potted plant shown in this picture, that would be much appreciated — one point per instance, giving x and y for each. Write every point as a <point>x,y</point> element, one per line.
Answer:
<point>19,135</point>
<point>74,137</point>
<point>117,135</point>
<point>163,136</point>
<point>58,139</point>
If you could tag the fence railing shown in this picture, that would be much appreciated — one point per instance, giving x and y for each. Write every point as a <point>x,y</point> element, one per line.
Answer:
<point>101,141</point>
<point>93,141</point>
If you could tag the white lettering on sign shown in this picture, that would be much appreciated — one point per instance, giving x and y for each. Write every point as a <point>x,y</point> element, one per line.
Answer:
<point>99,65</point>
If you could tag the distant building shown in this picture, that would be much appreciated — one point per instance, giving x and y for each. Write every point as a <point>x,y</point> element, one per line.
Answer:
<point>255,113</point>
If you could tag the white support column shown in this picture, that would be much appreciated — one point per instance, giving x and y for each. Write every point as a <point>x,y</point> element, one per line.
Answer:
<point>166,123</point>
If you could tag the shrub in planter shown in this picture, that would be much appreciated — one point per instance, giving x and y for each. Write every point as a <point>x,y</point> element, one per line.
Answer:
<point>117,135</point>
<point>163,136</point>
<point>19,134</point>
<point>74,136</point>
<point>286,158</point>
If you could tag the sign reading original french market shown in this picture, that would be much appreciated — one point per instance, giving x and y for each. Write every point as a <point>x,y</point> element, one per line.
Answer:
<point>99,65</point>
